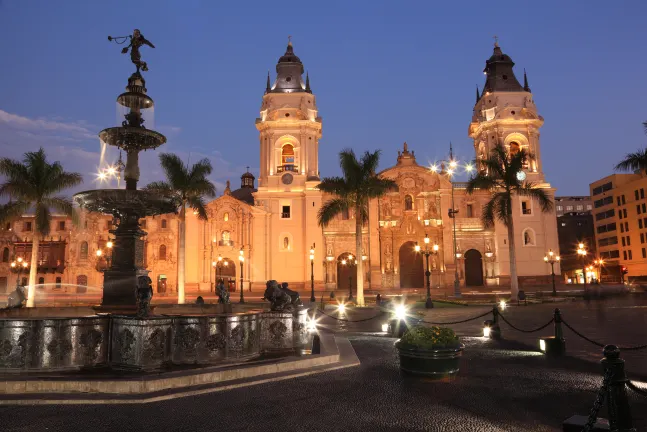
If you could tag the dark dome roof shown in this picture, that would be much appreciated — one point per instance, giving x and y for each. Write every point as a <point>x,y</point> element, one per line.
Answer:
<point>248,175</point>
<point>499,73</point>
<point>289,56</point>
<point>244,194</point>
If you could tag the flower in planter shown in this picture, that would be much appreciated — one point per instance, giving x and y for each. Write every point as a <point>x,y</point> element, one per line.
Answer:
<point>430,338</point>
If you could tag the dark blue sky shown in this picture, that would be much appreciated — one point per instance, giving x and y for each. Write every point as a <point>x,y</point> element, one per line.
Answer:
<point>383,73</point>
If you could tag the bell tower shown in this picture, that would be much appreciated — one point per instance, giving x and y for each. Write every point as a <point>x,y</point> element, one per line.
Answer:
<point>289,127</point>
<point>289,131</point>
<point>505,114</point>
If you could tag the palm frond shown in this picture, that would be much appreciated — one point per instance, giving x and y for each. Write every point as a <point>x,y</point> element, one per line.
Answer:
<point>175,170</point>
<point>481,181</point>
<point>633,162</point>
<point>350,167</point>
<point>197,204</point>
<point>531,190</point>
<point>63,205</point>
<point>334,185</point>
<point>369,162</point>
<point>160,188</point>
<point>331,209</point>
<point>200,169</point>
<point>376,187</point>
<point>13,210</point>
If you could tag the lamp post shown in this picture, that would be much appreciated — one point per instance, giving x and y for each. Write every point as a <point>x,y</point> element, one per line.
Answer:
<point>429,304</point>
<point>19,264</point>
<point>217,266</point>
<point>349,260</point>
<point>551,258</point>
<point>581,252</point>
<point>312,274</point>
<point>241,258</point>
<point>599,263</point>
<point>451,171</point>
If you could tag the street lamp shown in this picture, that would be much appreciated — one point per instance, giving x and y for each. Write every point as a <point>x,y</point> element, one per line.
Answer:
<point>241,258</point>
<point>451,171</point>
<point>429,304</point>
<point>349,260</point>
<point>551,258</point>
<point>217,265</point>
<point>581,252</point>
<point>312,274</point>
<point>19,265</point>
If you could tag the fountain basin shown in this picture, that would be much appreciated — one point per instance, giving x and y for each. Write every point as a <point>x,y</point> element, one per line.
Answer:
<point>140,202</point>
<point>53,344</point>
<point>146,344</point>
<point>132,138</point>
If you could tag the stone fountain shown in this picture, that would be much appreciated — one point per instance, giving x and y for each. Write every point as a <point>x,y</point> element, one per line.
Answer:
<point>124,334</point>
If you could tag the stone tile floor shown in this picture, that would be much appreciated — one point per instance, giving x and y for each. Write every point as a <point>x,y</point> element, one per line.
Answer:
<point>502,386</point>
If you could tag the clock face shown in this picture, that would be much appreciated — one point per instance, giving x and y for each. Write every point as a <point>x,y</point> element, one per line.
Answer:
<point>521,176</point>
<point>287,178</point>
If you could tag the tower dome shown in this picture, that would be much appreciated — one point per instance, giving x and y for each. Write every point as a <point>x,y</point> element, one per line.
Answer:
<point>499,73</point>
<point>289,72</point>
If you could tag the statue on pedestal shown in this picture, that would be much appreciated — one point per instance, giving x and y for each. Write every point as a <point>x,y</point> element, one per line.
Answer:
<point>281,299</point>
<point>223,294</point>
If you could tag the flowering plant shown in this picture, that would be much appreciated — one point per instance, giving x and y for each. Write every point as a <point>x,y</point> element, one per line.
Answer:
<point>430,337</point>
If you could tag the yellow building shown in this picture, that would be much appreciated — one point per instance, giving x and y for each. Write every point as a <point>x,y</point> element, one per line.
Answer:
<point>274,226</point>
<point>620,218</point>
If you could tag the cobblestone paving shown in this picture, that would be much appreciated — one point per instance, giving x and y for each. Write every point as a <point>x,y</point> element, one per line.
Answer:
<point>502,386</point>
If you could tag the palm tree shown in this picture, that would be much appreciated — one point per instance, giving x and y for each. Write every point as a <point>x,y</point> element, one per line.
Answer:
<point>354,190</point>
<point>32,184</point>
<point>186,186</point>
<point>636,161</point>
<point>498,175</point>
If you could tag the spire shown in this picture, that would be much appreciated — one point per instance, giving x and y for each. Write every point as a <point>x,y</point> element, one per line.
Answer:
<point>308,83</point>
<point>478,96</point>
<point>526,87</point>
<point>227,189</point>
<point>268,88</point>
<point>289,71</point>
<point>499,75</point>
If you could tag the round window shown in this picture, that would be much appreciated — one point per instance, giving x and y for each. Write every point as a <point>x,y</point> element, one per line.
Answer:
<point>288,79</point>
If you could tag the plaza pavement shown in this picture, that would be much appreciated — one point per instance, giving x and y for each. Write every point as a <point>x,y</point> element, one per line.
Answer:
<point>502,386</point>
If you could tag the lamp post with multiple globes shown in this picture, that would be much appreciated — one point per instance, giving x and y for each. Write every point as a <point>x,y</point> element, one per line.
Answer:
<point>429,304</point>
<point>217,265</point>
<point>241,258</point>
<point>599,263</point>
<point>450,172</point>
<point>19,265</point>
<point>552,258</point>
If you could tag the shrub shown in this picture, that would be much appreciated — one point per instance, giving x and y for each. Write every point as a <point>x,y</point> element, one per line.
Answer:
<point>430,337</point>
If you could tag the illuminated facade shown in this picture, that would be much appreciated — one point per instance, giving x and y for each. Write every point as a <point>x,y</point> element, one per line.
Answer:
<point>274,226</point>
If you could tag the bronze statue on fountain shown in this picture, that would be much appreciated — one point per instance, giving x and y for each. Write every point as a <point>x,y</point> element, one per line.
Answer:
<point>128,206</point>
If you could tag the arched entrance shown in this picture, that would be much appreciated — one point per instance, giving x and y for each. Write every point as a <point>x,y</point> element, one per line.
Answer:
<point>346,272</point>
<point>411,268</point>
<point>227,272</point>
<point>473,268</point>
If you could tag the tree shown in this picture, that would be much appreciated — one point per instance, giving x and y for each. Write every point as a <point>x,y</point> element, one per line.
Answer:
<point>186,186</point>
<point>32,184</point>
<point>498,175</point>
<point>636,161</point>
<point>353,191</point>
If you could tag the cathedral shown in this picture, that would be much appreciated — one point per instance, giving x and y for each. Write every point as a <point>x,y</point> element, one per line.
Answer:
<point>269,230</point>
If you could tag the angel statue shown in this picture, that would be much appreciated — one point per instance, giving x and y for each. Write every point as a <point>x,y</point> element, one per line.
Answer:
<point>136,41</point>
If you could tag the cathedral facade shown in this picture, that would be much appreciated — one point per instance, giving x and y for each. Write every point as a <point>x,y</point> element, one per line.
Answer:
<point>270,230</point>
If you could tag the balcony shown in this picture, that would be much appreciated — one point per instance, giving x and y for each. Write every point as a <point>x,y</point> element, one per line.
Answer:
<point>226,243</point>
<point>287,168</point>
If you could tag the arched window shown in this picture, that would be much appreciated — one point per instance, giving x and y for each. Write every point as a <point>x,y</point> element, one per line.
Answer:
<point>83,252</point>
<point>162,254</point>
<point>226,236</point>
<point>528,237</point>
<point>41,280</point>
<point>5,255</point>
<point>226,216</point>
<point>163,223</point>
<point>82,282</point>
<point>408,202</point>
<point>287,157</point>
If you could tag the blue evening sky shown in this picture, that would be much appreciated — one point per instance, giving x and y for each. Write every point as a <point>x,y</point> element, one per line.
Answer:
<point>384,72</point>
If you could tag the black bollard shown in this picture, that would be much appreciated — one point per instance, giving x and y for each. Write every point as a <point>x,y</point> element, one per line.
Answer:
<point>617,403</point>
<point>316,344</point>
<point>495,330</point>
<point>554,346</point>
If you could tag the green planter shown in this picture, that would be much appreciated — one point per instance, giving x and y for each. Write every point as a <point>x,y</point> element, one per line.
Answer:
<point>434,363</point>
